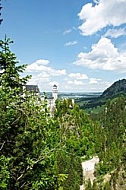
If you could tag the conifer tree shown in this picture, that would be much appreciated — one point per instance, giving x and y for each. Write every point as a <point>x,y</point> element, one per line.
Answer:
<point>10,70</point>
<point>26,134</point>
<point>30,139</point>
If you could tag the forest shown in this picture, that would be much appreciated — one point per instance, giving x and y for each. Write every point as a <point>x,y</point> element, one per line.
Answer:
<point>97,101</point>
<point>43,152</point>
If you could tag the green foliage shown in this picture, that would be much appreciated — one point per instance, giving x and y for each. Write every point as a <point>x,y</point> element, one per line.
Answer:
<point>34,154</point>
<point>113,122</point>
<point>4,172</point>
<point>107,186</point>
<point>76,128</point>
<point>8,65</point>
<point>88,185</point>
<point>27,138</point>
<point>94,104</point>
<point>42,152</point>
<point>29,143</point>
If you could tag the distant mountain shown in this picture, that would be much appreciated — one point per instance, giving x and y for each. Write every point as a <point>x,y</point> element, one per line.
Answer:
<point>116,89</point>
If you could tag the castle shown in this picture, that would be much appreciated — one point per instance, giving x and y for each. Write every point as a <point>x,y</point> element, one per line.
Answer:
<point>50,100</point>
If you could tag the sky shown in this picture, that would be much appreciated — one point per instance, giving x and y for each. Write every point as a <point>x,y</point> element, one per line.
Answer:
<point>79,45</point>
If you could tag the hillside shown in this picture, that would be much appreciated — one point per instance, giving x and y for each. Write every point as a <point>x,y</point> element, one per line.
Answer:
<point>116,89</point>
<point>110,173</point>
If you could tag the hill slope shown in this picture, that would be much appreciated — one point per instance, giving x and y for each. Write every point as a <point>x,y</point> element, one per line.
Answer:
<point>117,88</point>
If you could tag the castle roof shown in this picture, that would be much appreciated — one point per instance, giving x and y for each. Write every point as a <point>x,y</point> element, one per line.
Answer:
<point>32,88</point>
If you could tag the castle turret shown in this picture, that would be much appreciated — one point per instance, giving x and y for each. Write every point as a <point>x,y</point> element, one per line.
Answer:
<point>55,92</point>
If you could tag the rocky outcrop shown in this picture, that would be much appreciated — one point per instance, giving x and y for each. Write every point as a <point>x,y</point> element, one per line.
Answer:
<point>88,170</point>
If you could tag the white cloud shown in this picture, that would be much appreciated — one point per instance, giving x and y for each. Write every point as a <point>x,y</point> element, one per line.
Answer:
<point>42,67</point>
<point>37,79</point>
<point>92,84</point>
<point>75,82</point>
<point>103,56</point>
<point>78,82</point>
<point>57,72</point>
<point>42,62</point>
<point>53,83</point>
<point>70,82</point>
<point>43,75</point>
<point>104,13</point>
<point>71,43</point>
<point>115,33</point>
<point>67,31</point>
<point>78,76</point>
<point>39,65</point>
<point>94,81</point>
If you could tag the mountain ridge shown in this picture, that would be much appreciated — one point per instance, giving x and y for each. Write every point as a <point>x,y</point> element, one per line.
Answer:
<point>117,88</point>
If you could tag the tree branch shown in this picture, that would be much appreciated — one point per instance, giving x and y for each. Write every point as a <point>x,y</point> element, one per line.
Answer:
<point>2,145</point>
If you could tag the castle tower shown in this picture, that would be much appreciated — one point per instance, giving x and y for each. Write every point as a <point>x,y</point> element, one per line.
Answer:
<point>55,92</point>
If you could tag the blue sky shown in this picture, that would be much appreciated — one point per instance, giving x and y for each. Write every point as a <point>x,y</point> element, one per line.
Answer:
<point>79,45</point>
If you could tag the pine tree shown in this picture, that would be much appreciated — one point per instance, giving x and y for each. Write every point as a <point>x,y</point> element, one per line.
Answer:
<point>27,138</point>
<point>9,73</point>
